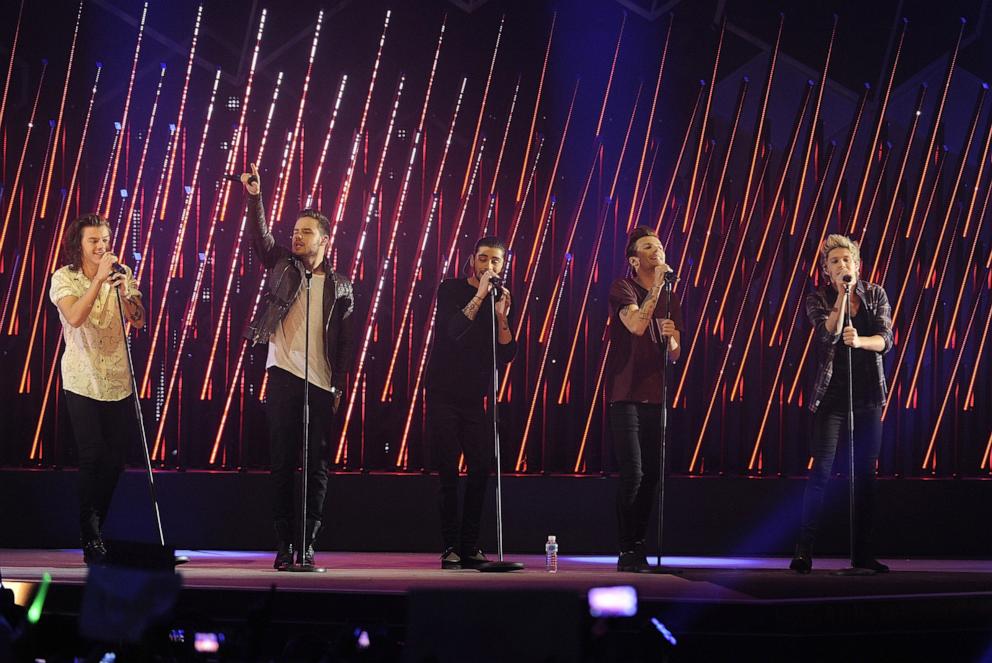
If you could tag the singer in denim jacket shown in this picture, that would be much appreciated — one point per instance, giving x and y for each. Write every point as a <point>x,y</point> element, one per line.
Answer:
<point>868,334</point>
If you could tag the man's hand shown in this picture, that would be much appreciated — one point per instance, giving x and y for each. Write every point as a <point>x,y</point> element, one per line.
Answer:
<point>337,402</point>
<point>503,305</point>
<point>851,337</point>
<point>117,280</point>
<point>106,267</point>
<point>255,187</point>
<point>484,286</point>
<point>667,327</point>
<point>659,274</point>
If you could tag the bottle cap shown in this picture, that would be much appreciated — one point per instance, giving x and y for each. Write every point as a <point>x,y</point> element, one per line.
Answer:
<point>551,538</point>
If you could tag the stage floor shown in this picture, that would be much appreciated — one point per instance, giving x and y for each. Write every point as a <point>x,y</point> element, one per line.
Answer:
<point>724,579</point>
<point>714,605</point>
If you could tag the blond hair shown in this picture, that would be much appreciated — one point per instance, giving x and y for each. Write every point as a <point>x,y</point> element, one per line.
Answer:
<point>838,242</point>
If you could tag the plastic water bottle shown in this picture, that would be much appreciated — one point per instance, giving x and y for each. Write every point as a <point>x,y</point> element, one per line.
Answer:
<point>551,555</point>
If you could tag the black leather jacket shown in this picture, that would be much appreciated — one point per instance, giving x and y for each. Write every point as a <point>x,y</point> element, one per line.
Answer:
<point>285,279</point>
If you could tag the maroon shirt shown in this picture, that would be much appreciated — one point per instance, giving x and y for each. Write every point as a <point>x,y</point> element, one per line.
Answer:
<point>634,367</point>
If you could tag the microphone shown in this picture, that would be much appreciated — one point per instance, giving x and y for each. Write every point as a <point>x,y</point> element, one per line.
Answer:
<point>847,278</point>
<point>497,284</point>
<point>118,268</point>
<point>237,178</point>
<point>671,276</point>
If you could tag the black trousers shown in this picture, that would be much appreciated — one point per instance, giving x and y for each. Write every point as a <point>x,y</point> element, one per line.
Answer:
<point>636,429</point>
<point>829,427</point>
<point>101,429</point>
<point>456,425</point>
<point>284,411</point>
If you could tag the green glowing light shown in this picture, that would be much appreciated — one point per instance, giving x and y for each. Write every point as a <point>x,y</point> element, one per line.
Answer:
<point>34,612</point>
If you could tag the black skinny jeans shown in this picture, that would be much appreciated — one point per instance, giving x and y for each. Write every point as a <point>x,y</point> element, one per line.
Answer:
<point>457,424</point>
<point>636,429</point>
<point>284,411</point>
<point>101,429</point>
<point>829,427</point>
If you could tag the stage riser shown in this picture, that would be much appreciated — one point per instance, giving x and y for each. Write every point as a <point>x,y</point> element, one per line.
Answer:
<point>375,512</point>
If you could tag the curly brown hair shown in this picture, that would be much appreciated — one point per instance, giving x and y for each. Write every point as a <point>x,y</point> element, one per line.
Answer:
<point>72,241</point>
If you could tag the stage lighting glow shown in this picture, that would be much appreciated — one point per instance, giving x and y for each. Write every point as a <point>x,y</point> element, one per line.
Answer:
<point>618,601</point>
<point>665,633</point>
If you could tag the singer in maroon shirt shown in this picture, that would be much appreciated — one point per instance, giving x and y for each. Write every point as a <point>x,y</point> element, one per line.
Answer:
<point>644,323</point>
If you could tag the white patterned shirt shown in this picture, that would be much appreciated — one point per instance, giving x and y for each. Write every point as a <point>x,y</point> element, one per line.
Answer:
<point>94,363</point>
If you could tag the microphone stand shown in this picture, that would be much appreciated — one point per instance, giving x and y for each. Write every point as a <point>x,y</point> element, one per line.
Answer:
<point>852,570</point>
<point>499,566</point>
<point>300,567</point>
<point>670,279</point>
<point>178,559</point>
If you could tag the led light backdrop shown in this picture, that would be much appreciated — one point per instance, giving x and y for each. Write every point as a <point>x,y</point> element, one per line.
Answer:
<point>744,135</point>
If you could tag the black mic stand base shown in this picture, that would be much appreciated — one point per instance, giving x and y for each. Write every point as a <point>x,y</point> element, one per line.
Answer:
<point>853,571</point>
<point>662,570</point>
<point>304,568</point>
<point>501,567</point>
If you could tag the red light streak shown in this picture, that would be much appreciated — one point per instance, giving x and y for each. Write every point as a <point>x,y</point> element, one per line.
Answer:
<point>126,113</point>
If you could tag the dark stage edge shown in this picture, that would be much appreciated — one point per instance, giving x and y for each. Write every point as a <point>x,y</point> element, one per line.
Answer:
<point>379,512</point>
<point>715,605</point>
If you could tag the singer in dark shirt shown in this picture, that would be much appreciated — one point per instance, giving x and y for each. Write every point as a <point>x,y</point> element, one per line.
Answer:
<point>868,333</point>
<point>645,325</point>
<point>459,376</point>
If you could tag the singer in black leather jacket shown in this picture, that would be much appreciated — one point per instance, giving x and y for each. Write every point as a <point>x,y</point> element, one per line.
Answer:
<point>284,280</point>
<point>305,320</point>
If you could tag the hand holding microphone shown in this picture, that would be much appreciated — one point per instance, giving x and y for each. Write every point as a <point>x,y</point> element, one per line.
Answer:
<point>108,269</point>
<point>848,332</point>
<point>497,287</point>
<point>484,283</point>
<point>250,180</point>
<point>663,273</point>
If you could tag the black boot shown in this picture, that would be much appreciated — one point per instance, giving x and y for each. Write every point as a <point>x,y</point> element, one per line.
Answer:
<point>640,551</point>
<point>450,559</point>
<point>802,562</point>
<point>473,558</point>
<point>94,552</point>
<point>284,545</point>
<point>305,557</point>
<point>630,561</point>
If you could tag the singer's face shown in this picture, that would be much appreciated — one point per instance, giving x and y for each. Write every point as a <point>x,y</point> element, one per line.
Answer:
<point>841,262</point>
<point>95,242</point>
<point>650,253</point>
<point>487,258</point>
<point>308,240</point>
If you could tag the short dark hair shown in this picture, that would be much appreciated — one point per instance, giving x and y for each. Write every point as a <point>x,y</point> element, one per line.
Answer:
<point>322,221</point>
<point>72,241</point>
<point>638,233</point>
<point>489,242</point>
